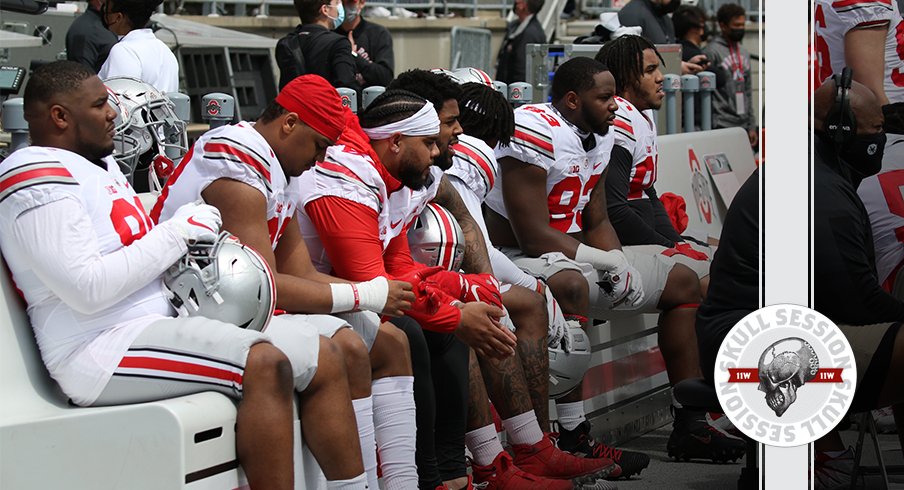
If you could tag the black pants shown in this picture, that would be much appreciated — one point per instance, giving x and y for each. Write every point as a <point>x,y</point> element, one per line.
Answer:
<point>440,365</point>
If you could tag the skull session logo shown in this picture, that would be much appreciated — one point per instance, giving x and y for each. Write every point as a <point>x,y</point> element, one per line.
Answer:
<point>785,375</point>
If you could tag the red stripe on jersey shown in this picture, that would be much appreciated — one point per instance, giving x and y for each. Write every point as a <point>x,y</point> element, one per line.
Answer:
<point>635,187</point>
<point>244,157</point>
<point>33,174</point>
<point>339,168</point>
<point>533,139</point>
<point>621,124</point>
<point>848,3</point>
<point>480,161</point>
<point>167,365</point>
<point>872,23</point>
<point>161,200</point>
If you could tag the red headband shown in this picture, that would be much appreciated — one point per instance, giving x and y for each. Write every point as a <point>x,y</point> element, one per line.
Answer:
<point>317,104</point>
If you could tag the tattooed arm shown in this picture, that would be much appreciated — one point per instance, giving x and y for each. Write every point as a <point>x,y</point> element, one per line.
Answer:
<point>477,259</point>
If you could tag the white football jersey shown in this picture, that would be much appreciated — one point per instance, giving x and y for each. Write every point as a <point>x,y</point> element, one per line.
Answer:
<point>236,152</point>
<point>883,196</point>
<point>80,350</point>
<point>545,139</point>
<point>635,131</point>
<point>475,164</point>
<point>351,175</point>
<point>833,20</point>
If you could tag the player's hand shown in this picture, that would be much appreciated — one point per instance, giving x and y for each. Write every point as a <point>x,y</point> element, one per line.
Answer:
<point>196,222</point>
<point>482,287</point>
<point>399,298</point>
<point>622,286</point>
<point>481,330</point>
<point>427,298</point>
<point>688,68</point>
<point>468,287</point>
<point>558,326</point>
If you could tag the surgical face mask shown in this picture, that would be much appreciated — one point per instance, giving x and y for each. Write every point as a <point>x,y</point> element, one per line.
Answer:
<point>351,14</point>
<point>864,154</point>
<point>340,16</point>
<point>736,35</point>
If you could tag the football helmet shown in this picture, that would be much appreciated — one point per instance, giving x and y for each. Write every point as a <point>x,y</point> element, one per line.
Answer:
<point>149,137</point>
<point>437,239</point>
<point>567,369</point>
<point>475,75</point>
<point>225,281</point>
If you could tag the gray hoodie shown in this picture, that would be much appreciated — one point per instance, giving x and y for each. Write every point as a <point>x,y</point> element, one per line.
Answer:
<point>733,78</point>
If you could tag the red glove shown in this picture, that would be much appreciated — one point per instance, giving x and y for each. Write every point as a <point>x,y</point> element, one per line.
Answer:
<point>427,297</point>
<point>483,287</point>
<point>451,283</point>
<point>468,287</point>
<point>684,248</point>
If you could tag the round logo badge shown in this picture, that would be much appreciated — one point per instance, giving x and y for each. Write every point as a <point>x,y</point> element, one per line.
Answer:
<point>871,149</point>
<point>516,93</point>
<point>785,375</point>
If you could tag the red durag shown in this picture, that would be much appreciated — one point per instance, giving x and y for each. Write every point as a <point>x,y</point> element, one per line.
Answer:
<point>317,104</point>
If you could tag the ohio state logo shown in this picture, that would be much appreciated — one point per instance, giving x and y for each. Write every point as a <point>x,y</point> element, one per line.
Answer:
<point>213,107</point>
<point>785,375</point>
<point>516,93</point>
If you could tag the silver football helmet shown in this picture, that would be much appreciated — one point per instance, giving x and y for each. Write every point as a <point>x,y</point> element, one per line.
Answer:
<point>566,370</point>
<point>436,238</point>
<point>224,281</point>
<point>469,75</point>
<point>150,137</point>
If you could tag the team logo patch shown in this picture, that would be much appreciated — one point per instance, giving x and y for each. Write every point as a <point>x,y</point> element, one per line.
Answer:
<point>785,375</point>
<point>516,93</point>
<point>871,149</point>
<point>213,107</point>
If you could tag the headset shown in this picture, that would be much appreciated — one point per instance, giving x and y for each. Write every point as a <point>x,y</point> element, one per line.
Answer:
<point>841,124</point>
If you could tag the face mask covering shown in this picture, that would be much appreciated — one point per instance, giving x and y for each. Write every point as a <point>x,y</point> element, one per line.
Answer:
<point>669,8</point>
<point>352,14</point>
<point>864,154</point>
<point>736,35</point>
<point>340,18</point>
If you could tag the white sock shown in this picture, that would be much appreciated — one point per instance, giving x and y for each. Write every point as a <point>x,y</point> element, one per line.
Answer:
<point>357,483</point>
<point>394,421</point>
<point>364,416</point>
<point>570,415</point>
<point>484,444</point>
<point>523,428</point>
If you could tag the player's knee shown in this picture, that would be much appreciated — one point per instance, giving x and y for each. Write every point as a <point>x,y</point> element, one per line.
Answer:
<point>570,288</point>
<point>330,360</point>
<point>528,310</point>
<point>265,361</point>
<point>683,287</point>
<point>393,344</point>
<point>353,348</point>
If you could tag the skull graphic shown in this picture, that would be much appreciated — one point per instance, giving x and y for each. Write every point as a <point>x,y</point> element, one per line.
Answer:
<point>784,367</point>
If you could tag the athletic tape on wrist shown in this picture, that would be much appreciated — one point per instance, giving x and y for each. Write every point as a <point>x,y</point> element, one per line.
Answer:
<point>369,295</point>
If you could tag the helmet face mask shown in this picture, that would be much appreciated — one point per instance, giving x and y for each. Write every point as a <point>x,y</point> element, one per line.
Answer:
<point>148,130</point>
<point>224,281</point>
<point>435,238</point>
